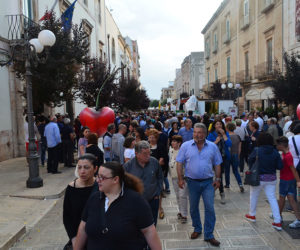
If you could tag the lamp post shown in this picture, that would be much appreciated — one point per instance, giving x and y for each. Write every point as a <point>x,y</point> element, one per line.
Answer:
<point>238,86</point>
<point>45,39</point>
<point>229,86</point>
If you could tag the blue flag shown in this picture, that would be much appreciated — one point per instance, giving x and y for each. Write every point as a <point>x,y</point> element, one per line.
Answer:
<point>66,17</point>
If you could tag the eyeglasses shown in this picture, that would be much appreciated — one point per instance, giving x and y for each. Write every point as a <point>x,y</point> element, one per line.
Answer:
<point>103,178</point>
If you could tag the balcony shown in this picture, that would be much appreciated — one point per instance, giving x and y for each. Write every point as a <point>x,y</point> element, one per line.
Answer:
<point>226,38</point>
<point>241,77</point>
<point>244,22</point>
<point>266,70</point>
<point>215,49</point>
<point>21,27</point>
<point>267,5</point>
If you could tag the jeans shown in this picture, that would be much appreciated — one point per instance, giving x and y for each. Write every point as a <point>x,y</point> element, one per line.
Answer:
<point>270,191</point>
<point>234,161</point>
<point>68,156</point>
<point>107,159</point>
<point>181,197</point>
<point>43,153</point>
<point>206,190</point>
<point>243,156</point>
<point>167,184</point>
<point>154,205</point>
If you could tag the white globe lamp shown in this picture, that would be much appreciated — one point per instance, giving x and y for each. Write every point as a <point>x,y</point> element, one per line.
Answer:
<point>47,38</point>
<point>230,85</point>
<point>223,86</point>
<point>37,45</point>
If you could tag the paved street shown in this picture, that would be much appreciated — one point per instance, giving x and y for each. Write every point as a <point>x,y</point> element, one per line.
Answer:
<point>231,229</point>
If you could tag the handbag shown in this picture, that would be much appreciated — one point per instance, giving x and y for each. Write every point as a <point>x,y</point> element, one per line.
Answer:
<point>252,176</point>
<point>297,152</point>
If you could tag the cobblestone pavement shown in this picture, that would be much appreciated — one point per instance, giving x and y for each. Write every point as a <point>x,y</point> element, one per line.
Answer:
<point>231,229</point>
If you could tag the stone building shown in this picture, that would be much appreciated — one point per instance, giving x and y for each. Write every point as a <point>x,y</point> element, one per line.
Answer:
<point>190,77</point>
<point>243,44</point>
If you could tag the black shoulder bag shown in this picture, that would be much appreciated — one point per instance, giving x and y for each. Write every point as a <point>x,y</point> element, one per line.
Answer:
<point>297,152</point>
<point>252,176</point>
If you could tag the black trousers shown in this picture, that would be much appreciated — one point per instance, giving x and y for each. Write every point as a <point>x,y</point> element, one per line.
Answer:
<point>52,162</point>
<point>68,149</point>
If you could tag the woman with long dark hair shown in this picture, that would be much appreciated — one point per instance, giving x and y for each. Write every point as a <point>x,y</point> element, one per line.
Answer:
<point>119,217</point>
<point>221,138</point>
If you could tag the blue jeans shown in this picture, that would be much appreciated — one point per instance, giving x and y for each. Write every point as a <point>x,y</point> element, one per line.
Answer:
<point>234,161</point>
<point>154,205</point>
<point>167,185</point>
<point>206,190</point>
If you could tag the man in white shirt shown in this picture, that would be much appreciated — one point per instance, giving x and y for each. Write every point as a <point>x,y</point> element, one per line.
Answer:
<point>244,121</point>
<point>288,122</point>
<point>296,132</point>
<point>259,120</point>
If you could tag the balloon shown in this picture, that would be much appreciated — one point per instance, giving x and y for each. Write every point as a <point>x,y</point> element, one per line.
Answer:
<point>298,111</point>
<point>97,121</point>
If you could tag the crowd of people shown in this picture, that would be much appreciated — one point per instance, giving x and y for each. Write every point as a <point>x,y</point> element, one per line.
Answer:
<point>142,151</point>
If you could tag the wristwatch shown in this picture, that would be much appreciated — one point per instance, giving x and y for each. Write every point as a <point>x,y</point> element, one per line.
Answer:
<point>218,179</point>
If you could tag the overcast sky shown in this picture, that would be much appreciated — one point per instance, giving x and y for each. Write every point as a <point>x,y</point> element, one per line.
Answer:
<point>166,31</point>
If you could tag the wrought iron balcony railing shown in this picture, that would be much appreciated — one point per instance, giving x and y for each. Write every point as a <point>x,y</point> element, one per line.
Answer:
<point>266,70</point>
<point>20,27</point>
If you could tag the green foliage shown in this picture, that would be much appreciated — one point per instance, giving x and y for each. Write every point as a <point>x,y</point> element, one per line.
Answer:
<point>154,103</point>
<point>286,87</point>
<point>164,102</point>
<point>131,96</point>
<point>96,75</point>
<point>54,80</point>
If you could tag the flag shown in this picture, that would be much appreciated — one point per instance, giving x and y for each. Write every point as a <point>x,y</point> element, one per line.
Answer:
<point>48,14</point>
<point>67,16</point>
<point>159,105</point>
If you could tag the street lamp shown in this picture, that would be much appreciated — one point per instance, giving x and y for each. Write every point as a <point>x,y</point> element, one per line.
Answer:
<point>238,86</point>
<point>36,45</point>
<point>229,86</point>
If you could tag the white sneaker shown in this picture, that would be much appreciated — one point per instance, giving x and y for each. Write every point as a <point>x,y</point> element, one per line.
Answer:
<point>295,224</point>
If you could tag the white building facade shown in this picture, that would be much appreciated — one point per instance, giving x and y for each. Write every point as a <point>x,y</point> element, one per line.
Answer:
<point>104,37</point>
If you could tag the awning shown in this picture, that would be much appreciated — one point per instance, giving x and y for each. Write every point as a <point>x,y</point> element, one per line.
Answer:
<point>259,94</point>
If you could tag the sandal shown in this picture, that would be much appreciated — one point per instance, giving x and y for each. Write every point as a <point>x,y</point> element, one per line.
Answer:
<point>161,214</point>
<point>179,216</point>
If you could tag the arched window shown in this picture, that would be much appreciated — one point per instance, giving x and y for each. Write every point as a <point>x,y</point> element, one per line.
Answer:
<point>113,51</point>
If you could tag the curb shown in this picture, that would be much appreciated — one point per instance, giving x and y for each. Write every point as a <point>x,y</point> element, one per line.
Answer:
<point>24,230</point>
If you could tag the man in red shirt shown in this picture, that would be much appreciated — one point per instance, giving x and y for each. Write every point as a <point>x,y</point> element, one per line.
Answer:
<point>288,177</point>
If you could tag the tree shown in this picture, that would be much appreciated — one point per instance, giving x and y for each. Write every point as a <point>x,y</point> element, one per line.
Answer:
<point>54,80</point>
<point>96,75</point>
<point>286,87</point>
<point>216,91</point>
<point>131,96</point>
<point>154,103</point>
<point>163,102</point>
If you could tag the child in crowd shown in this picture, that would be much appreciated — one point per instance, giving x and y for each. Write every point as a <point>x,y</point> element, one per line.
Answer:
<point>181,194</point>
<point>288,178</point>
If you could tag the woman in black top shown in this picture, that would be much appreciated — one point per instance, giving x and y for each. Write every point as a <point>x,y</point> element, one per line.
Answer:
<point>77,194</point>
<point>118,217</point>
<point>93,148</point>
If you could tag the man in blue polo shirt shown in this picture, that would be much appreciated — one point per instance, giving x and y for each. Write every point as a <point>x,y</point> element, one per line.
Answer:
<point>202,160</point>
<point>187,131</point>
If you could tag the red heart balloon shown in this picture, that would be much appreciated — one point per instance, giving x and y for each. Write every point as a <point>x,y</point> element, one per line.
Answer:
<point>298,111</point>
<point>97,121</point>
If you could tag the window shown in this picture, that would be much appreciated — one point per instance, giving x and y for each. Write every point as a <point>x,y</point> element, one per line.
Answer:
<point>207,49</point>
<point>247,66</point>
<point>99,11</point>
<point>216,74</point>
<point>215,42</point>
<point>228,68</point>
<point>27,8</point>
<point>113,51</point>
<point>246,8</point>
<point>227,29</point>
<point>269,56</point>
<point>208,77</point>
